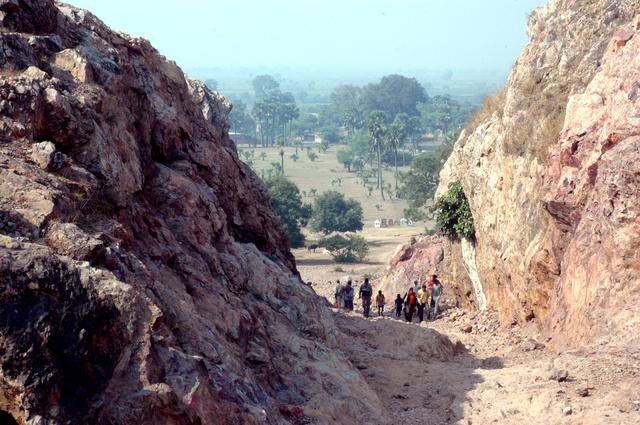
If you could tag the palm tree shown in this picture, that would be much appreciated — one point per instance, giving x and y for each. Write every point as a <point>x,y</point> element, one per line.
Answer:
<point>282,161</point>
<point>395,138</point>
<point>414,131</point>
<point>351,119</point>
<point>260,114</point>
<point>377,125</point>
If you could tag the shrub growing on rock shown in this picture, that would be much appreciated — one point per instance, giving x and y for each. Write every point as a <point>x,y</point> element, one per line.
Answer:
<point>453,215</point>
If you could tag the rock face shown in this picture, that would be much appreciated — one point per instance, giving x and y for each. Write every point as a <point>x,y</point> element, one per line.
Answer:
<point>144,277</point>
<point>552,174</point>
<point>421,258</point>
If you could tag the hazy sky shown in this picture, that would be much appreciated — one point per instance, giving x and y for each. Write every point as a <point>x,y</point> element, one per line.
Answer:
<point>336,34</point>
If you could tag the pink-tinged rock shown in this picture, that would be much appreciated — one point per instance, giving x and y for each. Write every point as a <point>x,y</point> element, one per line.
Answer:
<point>421,258</point>
<point>551,171</point>
<point>598,239</point>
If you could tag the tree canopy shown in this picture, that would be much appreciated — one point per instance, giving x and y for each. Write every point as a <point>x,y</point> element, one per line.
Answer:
<point>419,184</point>
<point>332,212</point>
<point>394,94</point>
<point>293,213</point>
<point>275,113</point>
<point>240,119</point>
<point>264,86</point>
<point>349,249</point>
<point>444,114</point>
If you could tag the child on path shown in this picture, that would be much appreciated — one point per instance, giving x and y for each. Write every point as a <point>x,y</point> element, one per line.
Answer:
<point>380,303</point>
<point>399,303</point>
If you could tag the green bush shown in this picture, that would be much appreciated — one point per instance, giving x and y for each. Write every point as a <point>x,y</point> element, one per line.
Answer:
<point>332,212</point>
<point>350,249</point>
<point>345,157</point>
<point>453,215</point>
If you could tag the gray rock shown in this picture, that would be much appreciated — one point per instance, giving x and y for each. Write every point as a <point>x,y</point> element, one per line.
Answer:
<point>43,154</point>
<point>531,345</point>
<point>560,375</point>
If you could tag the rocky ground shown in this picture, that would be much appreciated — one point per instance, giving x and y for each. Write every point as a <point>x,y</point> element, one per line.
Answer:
<point>489,374</point>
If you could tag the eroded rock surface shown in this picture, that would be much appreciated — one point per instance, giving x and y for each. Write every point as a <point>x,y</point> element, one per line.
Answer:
<point>144,277</point>
<point>423,257</point>
<point>552,174</point>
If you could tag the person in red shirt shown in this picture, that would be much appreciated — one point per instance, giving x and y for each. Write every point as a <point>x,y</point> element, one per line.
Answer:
<point>410,303</point>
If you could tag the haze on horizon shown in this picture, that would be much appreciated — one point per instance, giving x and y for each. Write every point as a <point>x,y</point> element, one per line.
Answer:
<point>353,35</point>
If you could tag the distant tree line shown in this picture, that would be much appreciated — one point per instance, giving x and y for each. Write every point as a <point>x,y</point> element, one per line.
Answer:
<point>394,94</point>
<point>381,125</point>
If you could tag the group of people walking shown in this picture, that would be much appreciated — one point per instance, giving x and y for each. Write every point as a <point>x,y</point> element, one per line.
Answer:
<point>424,300</point>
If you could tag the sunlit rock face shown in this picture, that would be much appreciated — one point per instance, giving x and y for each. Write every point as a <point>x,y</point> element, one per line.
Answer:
<point>144,277</point>
<point>551,169</point>
<point>421,258</point>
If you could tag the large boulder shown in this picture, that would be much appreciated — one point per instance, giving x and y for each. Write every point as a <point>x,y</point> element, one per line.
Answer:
<point>419,259</point>
<point>144,276</point>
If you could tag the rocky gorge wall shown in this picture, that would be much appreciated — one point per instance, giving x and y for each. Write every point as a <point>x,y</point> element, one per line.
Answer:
<point>419,259</point>
<point>552,173</point>
<point>144,277</point>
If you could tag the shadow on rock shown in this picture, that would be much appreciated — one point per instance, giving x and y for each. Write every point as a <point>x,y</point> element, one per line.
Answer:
<point>14,224</point>
<point>60,341</point>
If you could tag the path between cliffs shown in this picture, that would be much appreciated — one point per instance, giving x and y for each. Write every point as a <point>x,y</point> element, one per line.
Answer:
<point>504,376</point>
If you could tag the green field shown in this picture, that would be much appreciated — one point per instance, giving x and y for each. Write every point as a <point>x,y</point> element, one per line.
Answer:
<point>326,173</point>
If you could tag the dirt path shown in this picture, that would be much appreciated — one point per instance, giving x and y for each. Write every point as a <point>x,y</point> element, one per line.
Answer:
<point>505,376</point>
<point>502,376</point>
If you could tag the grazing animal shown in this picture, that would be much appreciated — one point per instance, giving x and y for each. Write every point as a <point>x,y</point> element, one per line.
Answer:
<point>312,247</point>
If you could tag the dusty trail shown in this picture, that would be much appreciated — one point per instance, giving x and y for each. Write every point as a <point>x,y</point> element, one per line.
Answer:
<point>505,376</point>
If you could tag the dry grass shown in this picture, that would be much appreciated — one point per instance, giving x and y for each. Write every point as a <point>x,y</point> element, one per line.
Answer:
<point>543,109</point>
<point>320,174</point>
<point>490,105</point>
<point>538,119</point>
<point>319,267</point>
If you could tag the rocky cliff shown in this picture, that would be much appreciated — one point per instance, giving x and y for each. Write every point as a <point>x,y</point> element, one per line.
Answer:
<point>419,259</point>
<point>551,168</point>
<point>144,277</point>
